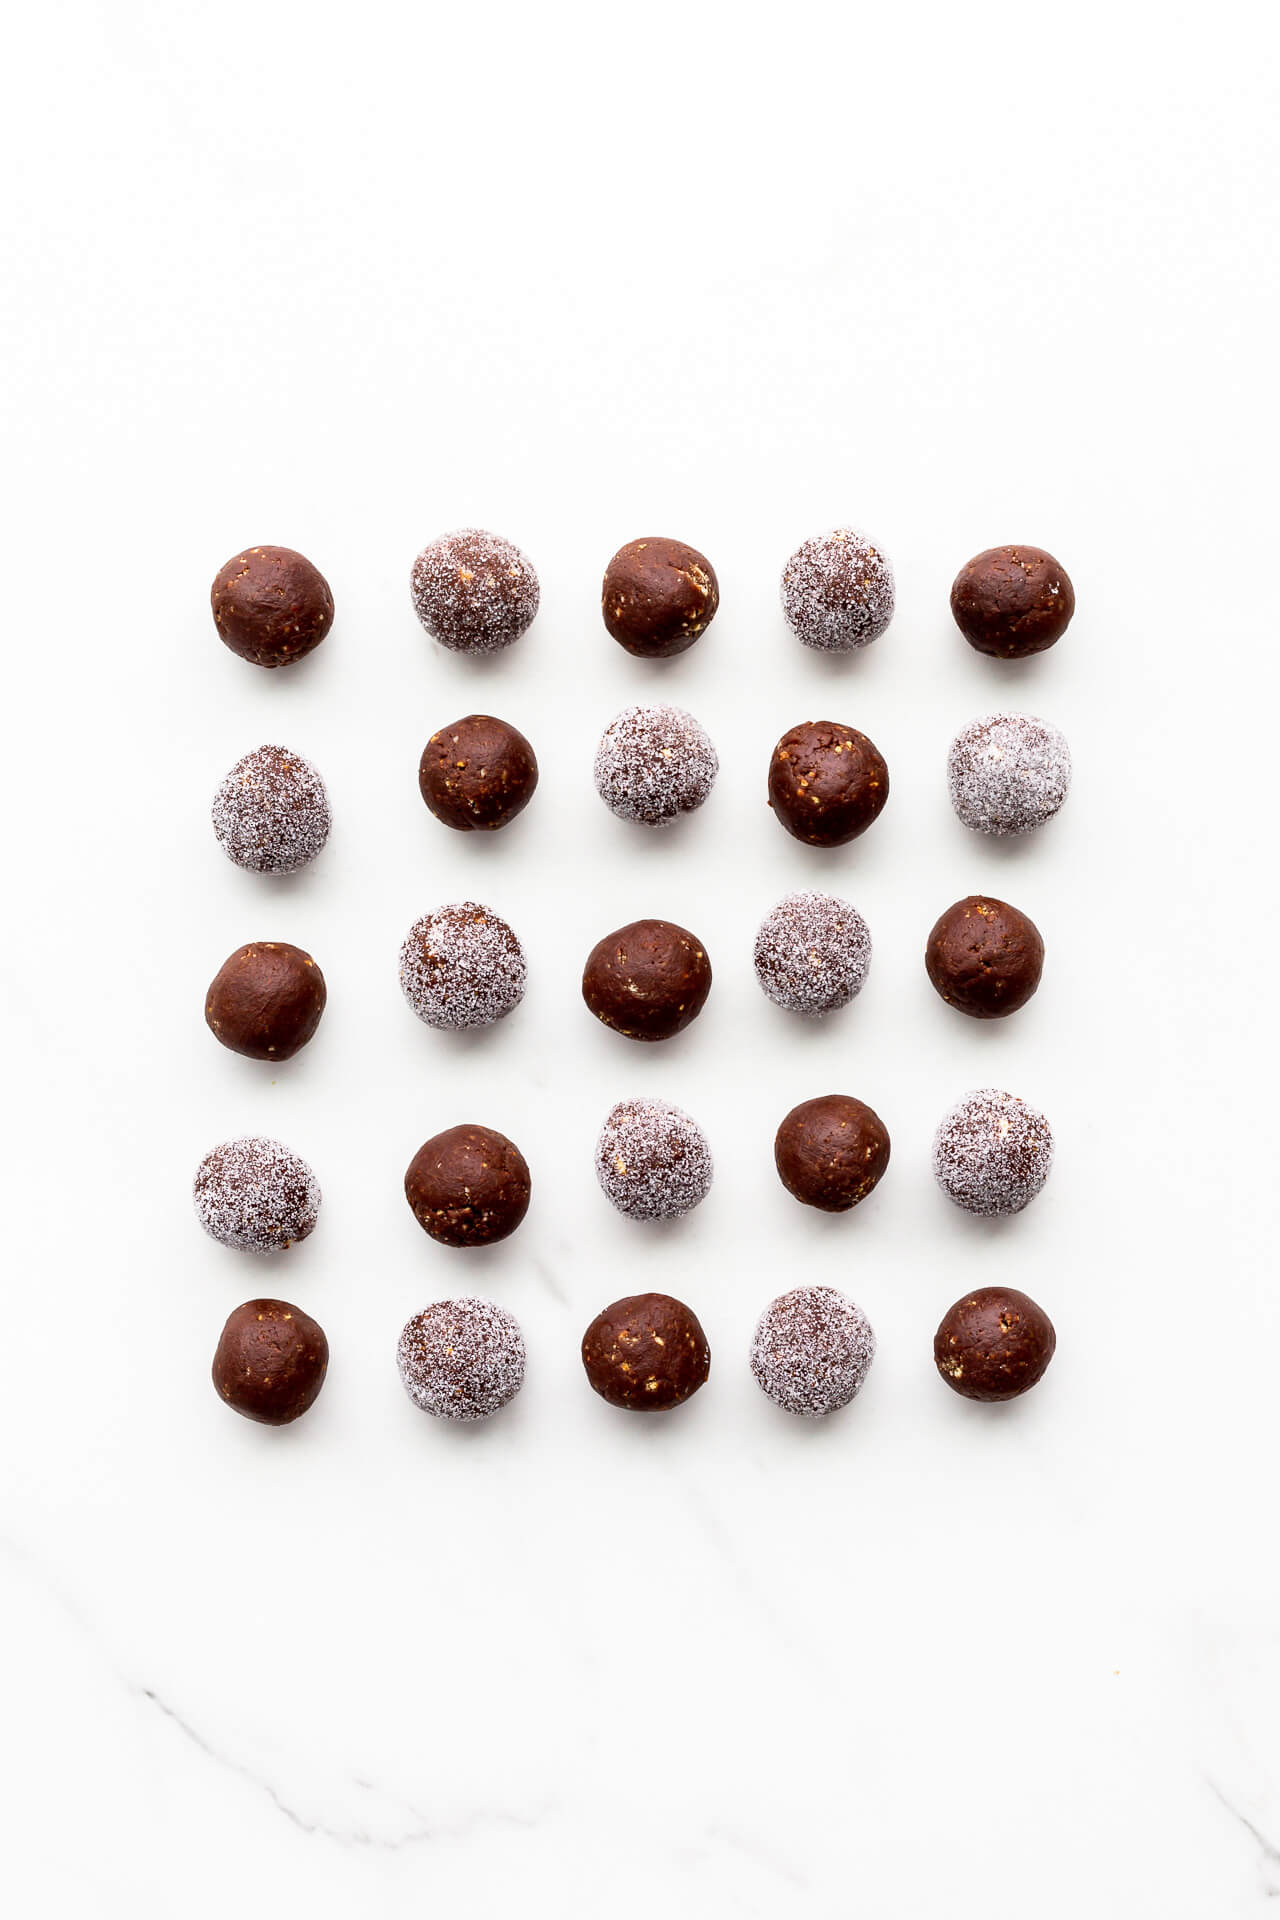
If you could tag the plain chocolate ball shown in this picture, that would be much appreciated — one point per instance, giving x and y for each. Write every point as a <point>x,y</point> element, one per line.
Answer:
<point>477,773</point>
<point>827,782</point>
<point>646,1353</point>
<point>830,1152</point>
<point>984,957</point>
<point>994,1344</point>
<point>1012,601</point>
<point>648,980</point>
<point>468,1186</point>
<point>270,1361</point>
<point>266,1000</point>
<point>271,606</point>
<point>658,596</point>
<point>473,591</point>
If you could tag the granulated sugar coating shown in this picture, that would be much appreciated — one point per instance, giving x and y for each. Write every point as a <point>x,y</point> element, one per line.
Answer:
<point>255,1195</point>
<point>1008,773</point>
<point>652,1160</point>
<point>837,591</point>
<point>812,1351</point>
<point>812,953</point>
<point>474,591</point>
<point>462,966</point>
<point>462,1359</point>
<point>271,812</point>
<point>653,764</point>
<point>992,1153</point>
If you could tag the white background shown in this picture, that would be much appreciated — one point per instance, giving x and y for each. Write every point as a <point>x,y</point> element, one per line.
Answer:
<point>342,279</point>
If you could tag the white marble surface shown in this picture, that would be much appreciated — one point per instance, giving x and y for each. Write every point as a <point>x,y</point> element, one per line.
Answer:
<point>967,278</point>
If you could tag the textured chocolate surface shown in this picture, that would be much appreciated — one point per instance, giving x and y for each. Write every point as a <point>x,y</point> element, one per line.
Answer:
<point>1012,601</point>
<point>271,606</point>
<point>994,1344</point>
<point>477,773</point>
<point>648,980</point>
<point>984,957</point>
<point>831,1152</point>
<point>646,1353</point>
<point>658,597</point>
<point>270,1361</point>
<point>266,1000</point>
<point>468,1186</point>
<point>827,782</point>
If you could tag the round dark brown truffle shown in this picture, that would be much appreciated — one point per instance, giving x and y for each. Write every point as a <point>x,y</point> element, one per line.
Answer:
<point>1012,601</point>
<point>984,957</point>
<point>255,1195</point>
<point>646,1353</point>
<point>830,1152</point>
<point>994,1344</point>
<point>266,1000</point>
<point>648,980</point>
<point>271,606</point>
<point>477,773</point>
<point>827,782</point>
<point>270,1362</point>
<point>271,811</point>
<point>473,591</point>
<point>658,596</point>
<point>468,1186</point>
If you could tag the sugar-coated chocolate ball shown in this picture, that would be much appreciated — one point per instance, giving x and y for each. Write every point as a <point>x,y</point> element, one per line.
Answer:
<point>658,597</point>
<point>474,591</point>
<point>468,1186</point>
<point>462,966</point>
<point>652,1160</point>
<point>648,980</point>
<point>831,1152</point>
<point>994,1344</point>
<point>812,1350</point>
<point>270,1361</point>
<point>992,1153</point>
<point>266,1000</point>
<point>646,1353</point>
<point>654,764</point>
<point>827,782</point>
<point>837,591</point>
<point>477,773</point>
<point>812,953</point>
<point>462,1359</point>
<point>255,1195</point>
<point>1012,601</point>
<point>271,606</point>
<point>1008,773</point>
<point>984,957</point>
<point>271,812</point>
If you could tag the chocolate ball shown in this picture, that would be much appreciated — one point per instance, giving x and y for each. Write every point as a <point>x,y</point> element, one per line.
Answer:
<point>266,1000</point>
<point>462,966</point>
<point>994,1344</point>
<point>648,980</point>
<point>830,1152</point>
<point>992,1153</point>
<point>653,764</point>
<point>477,774</point>
<point>468,1186</point>
<point>984,957</point>
<point>1012,601</point>
<point>1008,773</point>
<point>271,812</point>
<point>812,1351</point>
<point>255,1195</point>
<point>270,1362</point>
<point>646,1353</point>
<point>812,953</point>
<point>827,782</point>
<point>271,606</point>
<point>837,591</point>
<point>473,591</point>
<point>462,1359</point>
<point>652,1160</point>
<point>658,596</point>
